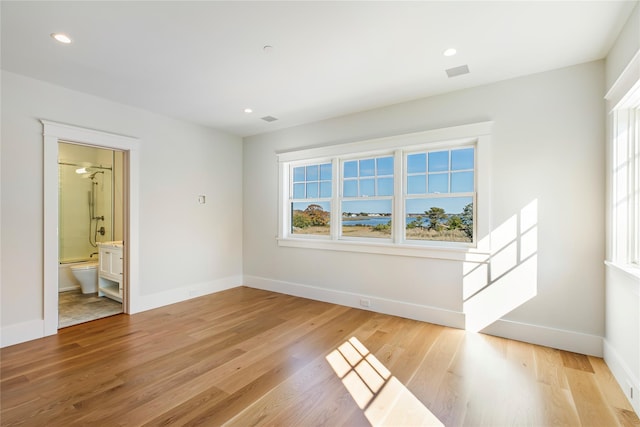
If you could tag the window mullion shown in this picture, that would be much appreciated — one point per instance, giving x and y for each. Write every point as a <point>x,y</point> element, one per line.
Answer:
<point>634,160</point>
<point>398,208</point>
<point>336,184</point>
<point>285,200</point>
<point>631,187</point>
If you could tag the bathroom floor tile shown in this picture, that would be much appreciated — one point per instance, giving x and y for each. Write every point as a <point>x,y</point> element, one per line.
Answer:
<point>75,307</point>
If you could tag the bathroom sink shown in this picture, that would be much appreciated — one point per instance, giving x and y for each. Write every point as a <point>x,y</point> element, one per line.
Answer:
<point>116,243</point>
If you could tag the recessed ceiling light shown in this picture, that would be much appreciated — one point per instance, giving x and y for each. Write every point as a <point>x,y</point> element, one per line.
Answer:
<point>61,37</point>
<point>450,52</point>
<point>248,110</point>
<point>267,48</point>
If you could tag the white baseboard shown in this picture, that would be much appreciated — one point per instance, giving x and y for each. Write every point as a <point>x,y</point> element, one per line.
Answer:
<point>21,332</point>
<point>172,296</point>
<point>562,339</point>
<point>34,329</point>
<point>623,375</point>
<point>381,305</point>
<point>68,288</point>
<point>556,338</point>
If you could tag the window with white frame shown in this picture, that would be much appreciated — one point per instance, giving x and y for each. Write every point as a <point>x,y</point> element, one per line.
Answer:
<point>405,194</point>
<point>366,203</point>
<point>440,192</point>
<point>625,186</point>
<point>310,199</point>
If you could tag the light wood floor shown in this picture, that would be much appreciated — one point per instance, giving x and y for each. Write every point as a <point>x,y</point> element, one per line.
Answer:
<point>248,357</point>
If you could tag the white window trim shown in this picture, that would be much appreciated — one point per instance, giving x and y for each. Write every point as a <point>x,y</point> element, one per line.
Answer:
<point>476,133</point>
<point>623,224</point>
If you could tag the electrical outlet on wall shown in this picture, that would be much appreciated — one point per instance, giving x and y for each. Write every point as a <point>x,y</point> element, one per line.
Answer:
<point>365,302</point>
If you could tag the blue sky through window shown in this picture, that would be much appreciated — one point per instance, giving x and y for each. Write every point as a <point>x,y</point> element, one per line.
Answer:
<point>441,172</point>
<point>428,173</point>
<point>451,205</point>
<point>369,206</point>
<point>438,183</point>
<point>462,159</point>
<point>368,177</point>
<point>384,166</point>
<point>439,161</point>
<point>312,181</point>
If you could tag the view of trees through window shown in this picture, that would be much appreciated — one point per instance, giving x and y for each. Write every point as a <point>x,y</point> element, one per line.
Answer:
<point>434,224</point>
<point>310,219</point>
<point>438,198</point>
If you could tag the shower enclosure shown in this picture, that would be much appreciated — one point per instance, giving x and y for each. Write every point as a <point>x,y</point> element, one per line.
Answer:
<point>87,198</point>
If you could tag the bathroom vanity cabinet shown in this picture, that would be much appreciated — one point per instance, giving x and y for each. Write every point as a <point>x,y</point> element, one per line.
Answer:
<point>110,270</point>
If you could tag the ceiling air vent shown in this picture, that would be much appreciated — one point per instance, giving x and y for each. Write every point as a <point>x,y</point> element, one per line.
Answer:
<point>457,71</point>
<point>269,118</point>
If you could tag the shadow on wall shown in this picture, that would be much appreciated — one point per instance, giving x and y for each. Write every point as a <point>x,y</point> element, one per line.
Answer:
<point>509,278</point>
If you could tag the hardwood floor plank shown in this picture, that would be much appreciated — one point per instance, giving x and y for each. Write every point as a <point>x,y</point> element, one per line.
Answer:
<point>285,395</point>
<point>246,357</point>
<point>415,350</point>
<point>576,361</point>
<point>590,404</point>
<point>626,417</point>
<point>426,382</point>
<point>188,410</point>
<point>612,393</point>
<point>558,408</point>
<point>608,385</point>
<point>244,369</point>
<point>549,367</point>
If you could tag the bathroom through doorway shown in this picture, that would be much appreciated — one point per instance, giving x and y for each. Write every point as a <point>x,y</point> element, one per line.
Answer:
<point>90,216</point>
<point>127,261</point>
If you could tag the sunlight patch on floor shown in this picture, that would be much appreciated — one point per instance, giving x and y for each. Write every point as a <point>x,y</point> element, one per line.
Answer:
<point>383,398</point>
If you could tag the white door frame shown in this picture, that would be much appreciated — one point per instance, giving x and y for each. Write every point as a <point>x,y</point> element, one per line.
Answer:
<point>58,132</point>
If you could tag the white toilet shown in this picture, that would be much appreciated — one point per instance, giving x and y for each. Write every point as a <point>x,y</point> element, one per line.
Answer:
<point>87,275</point>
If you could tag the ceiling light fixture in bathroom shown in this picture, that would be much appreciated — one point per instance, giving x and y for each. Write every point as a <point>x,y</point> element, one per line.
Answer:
<point>450,52</point>
<point>61,37</point>
<point>248,110</point>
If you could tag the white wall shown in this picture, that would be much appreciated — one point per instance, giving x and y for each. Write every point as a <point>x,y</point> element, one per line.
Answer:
<point>622,338</point>
<point>547,159</point>
<point>186,249</point>
<point>625,47</point>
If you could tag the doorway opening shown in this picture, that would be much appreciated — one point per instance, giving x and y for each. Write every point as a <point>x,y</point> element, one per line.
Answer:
<point>90,229</point>
<point>117,219</point>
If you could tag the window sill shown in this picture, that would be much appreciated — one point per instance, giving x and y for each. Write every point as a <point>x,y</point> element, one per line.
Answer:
<point>628,269</point>
<point>453,254</point>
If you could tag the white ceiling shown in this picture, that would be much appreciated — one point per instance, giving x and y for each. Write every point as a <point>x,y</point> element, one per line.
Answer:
<point>204,61</point>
